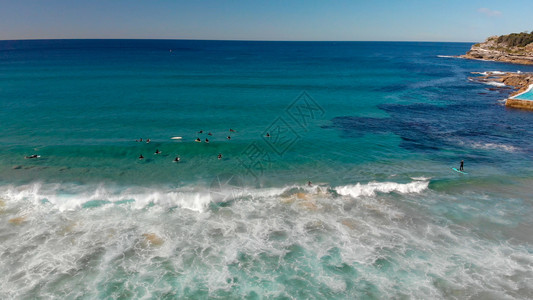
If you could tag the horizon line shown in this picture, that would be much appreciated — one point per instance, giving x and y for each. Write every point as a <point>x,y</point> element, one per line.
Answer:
<point>231,40</point>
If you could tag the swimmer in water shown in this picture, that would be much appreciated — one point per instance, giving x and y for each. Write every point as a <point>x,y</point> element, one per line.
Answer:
<point>219,156</point>
<point>177,159</point>
<point>141,156</point>
<point>229,137</point>
<point>309,183</point>
<point>206,140</point>
<point>157,151</point>
<point>201,131</point>
<point>268,134</point>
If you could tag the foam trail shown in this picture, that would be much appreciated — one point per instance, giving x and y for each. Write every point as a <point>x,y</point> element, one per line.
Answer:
<point>490,146</point>
<point>494,146</point>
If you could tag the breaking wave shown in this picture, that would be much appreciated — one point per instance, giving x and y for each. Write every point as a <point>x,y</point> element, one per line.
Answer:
<point>372,188</point>
<point>69,197</point>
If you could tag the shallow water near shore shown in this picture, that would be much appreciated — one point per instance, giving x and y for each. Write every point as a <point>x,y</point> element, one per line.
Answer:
<point>376,128</point>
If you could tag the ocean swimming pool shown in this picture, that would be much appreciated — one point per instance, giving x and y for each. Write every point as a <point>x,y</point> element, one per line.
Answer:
<point>527,95</point>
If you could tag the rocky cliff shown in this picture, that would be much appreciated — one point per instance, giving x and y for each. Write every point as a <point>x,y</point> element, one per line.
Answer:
<point>516,48</point>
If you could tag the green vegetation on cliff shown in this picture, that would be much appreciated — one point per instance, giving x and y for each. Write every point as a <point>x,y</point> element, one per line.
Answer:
<point>516,48</point>
<point>516,39</point>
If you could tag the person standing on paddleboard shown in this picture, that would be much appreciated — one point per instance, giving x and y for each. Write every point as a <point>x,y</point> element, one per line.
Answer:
<point>461,167</point>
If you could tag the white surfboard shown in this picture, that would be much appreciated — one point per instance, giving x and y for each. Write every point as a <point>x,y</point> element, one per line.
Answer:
<point>176,138</point>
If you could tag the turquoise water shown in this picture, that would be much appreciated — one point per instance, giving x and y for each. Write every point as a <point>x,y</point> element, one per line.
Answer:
<point>525,96</point>
<point>375,127</point>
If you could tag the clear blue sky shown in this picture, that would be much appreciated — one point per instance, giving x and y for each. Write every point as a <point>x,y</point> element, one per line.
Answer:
<point>356,20</point>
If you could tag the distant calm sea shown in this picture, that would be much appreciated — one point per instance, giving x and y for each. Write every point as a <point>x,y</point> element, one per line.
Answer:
<point>375,127</point>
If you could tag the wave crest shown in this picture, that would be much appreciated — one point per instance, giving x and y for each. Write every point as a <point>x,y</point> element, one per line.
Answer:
<point>69,197</point>
<point>372,188</point>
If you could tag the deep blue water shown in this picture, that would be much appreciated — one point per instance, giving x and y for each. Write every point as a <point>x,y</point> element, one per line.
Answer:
<point>375,126</point>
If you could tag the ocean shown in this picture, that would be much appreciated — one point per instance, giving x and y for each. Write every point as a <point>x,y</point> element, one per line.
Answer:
<point>336,181</point>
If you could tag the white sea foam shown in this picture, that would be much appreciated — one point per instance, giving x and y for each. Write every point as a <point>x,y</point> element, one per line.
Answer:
<point>115,251</point>
<point>494,146</point>
<point>494,83</point>
<point>486,73</point>
<point>446,56</point>
<point>421,178</point>
<point>371,188</point>
<point>71,197</point>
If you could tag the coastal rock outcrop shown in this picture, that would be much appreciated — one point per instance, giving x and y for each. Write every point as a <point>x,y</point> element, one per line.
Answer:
<point>516,48</point>
<point>520,81</point>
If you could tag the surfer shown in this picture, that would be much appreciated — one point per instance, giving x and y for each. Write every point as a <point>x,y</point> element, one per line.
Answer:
<point>231,130</point>
<point>148,141</point>
<point>461,167</point>
<point>141,156</point>
<point>177,159</point>
<point>32,156</point>
<point>209,134</point>
<point>207,140</point>
<point>229,137</point>
<point>219,156</point>
<point>141,139</point>
<point>201,131</point>
<point>157,151</point>
<point>198,140</point>
<point>268,134</point>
